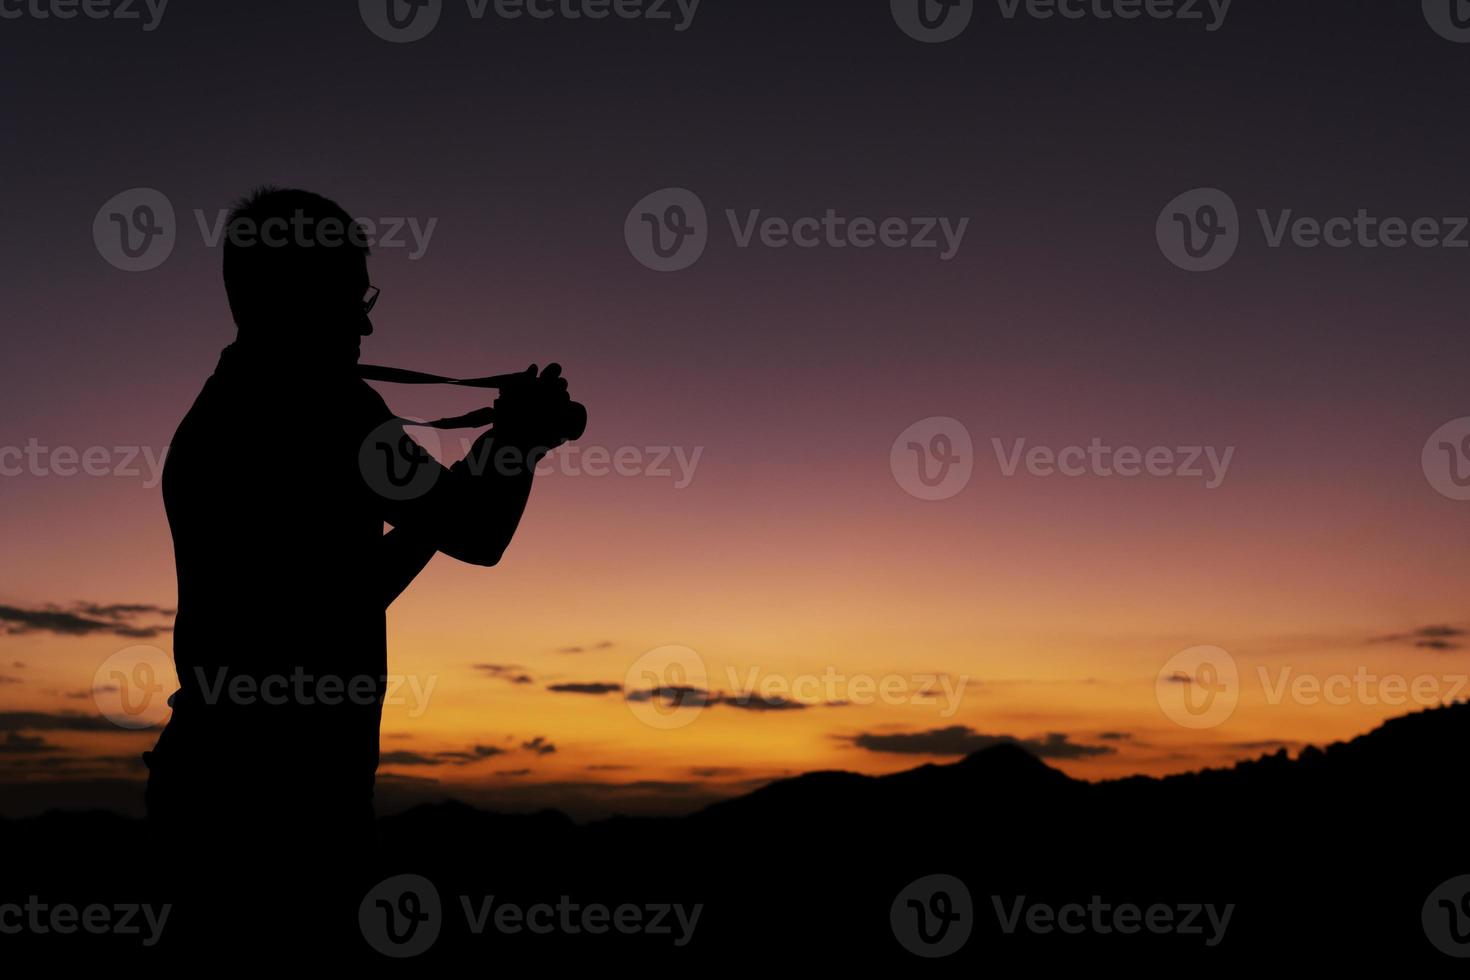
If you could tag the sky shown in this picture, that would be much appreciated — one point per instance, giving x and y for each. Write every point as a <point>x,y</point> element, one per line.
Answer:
<point>769,517</point>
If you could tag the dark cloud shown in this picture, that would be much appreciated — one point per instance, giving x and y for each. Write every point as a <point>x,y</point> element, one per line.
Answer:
<point>404,758</point>
<point>468,756</point>
<point>514,673</point>
<point>589,688</point>
<point>604,645</point>
<point>684,696</point>
<point>1439,637</point>
<point>539,745</point>
<point>453,757</point>
<point>7,679</point>
<point>754,702</point>
<point>85,619</point>
<point>17,744</point>
<point>677,695</point>
<point>122,610</point>
<point>1115,736</point>
<point>24,755</point>
<point>20,721</point>
<point>89,695</point>
<point>962,740</point>
<point>403,777</point>
<point>512,772</point>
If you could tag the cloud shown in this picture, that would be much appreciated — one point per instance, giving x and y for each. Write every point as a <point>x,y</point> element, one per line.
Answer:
<point>405,758</point>
<point>85,619</point>
<point>7,679</point>
<point>512,772</point>
<point>17,744</point>
<point>754,702</point>
<point>475,754</point>
<point>1439,637</point>
<point>962,740</point>
<point>89,695</point>
<point>677,695</point>
<point>684,696</point>
<point>1115,736</point>
<point>514,673</point>
<point>590,688</point>
<point>123,610</point>
<point>403,777</point>
<point>539,745</point>
<point>67,721</point>
<point>604,645</point>
<point>452,757</point>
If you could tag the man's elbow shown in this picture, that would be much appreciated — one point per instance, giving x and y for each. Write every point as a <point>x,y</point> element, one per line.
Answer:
<point>484,545</point>
<point>484,554</point>
<point>483,557</point>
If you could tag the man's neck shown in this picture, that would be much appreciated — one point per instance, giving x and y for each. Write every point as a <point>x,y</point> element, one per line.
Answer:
<point>276,358</point>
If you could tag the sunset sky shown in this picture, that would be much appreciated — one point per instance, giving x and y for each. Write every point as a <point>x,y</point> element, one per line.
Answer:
<point>1051,603</point>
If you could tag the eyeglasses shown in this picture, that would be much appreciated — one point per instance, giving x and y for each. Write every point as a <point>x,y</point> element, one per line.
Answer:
<point>370,299</point>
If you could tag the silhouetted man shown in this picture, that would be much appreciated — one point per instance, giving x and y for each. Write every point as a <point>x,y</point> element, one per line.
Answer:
<point>277,486</point>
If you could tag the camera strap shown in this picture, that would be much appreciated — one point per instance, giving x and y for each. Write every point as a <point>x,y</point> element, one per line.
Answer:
<point>471,420</point>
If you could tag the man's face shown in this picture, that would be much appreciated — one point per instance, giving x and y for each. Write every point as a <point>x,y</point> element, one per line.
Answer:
<point>356,324</point>
<point>337,321</point>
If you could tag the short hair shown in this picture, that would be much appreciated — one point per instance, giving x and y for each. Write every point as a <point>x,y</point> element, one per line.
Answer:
<point>281,245</point>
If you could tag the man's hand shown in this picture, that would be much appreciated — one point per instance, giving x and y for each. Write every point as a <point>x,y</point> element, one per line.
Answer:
<point>532,415</point>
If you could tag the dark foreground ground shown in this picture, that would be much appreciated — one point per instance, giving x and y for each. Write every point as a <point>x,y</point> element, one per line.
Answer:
<point>1343,856</point>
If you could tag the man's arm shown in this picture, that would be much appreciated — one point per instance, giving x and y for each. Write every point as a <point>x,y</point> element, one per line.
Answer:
<point>402,557</point>
<point>470,511</point>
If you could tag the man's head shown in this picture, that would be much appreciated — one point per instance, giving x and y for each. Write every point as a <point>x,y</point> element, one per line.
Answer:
<point>295,267</point>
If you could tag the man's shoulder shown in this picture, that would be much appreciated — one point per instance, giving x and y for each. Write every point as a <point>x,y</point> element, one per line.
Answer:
<point>365,401</point>
<point>228,403</point>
